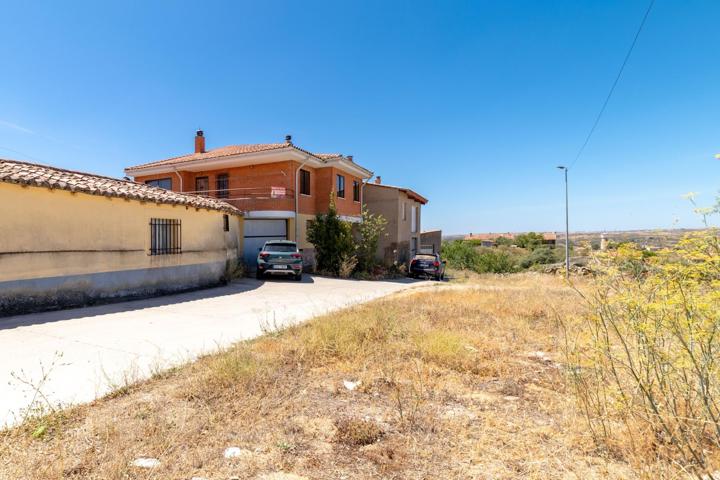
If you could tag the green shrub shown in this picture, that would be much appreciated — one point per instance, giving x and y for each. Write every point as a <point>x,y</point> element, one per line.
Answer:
<point>464,256</point>
<point>530,240</point>
<point>332,239</point>
<point>460,254</point>
<point>540,256</point>
<point>493,260</point>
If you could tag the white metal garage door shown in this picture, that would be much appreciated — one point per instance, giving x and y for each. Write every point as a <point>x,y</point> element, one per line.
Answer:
<point>257,232</point>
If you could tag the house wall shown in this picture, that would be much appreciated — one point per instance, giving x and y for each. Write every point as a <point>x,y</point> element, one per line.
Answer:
<point>396,244</point>
<point>60,249</point>
<point>385,202</point>
<point>278,174</point>
<point>432,238</point>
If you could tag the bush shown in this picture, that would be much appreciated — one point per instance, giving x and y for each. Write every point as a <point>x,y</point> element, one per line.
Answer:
<point>530,240</point>
<point>460,254</point>
<point>332,239</point>
<point>491,260</point>
<point>369,232</point>
<point>463,256</point>
<point>646,361</point>
<point>540,256</point>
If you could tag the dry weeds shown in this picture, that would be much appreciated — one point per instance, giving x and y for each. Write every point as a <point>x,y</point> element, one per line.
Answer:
<point>458,382</point>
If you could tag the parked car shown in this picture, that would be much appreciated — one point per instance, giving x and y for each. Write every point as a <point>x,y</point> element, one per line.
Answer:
<point>280,257</point>
<point>427,265</point>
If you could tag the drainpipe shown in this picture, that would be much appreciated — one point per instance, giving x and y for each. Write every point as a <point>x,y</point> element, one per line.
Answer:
<point>180,177</point>
<point>297,199</point>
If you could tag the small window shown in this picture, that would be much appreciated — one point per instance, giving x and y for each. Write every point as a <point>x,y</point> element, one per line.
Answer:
<point>304,182</point>
<point>413,246</point>
<point>165,236</point>
<point>414,217</point>
<point>165,183</point>
<point>202,185</point>
<point>226,223</point>
<point>356,191</point>
<point>222,183</point>
<point>404,211</point>
<point>341,186</point>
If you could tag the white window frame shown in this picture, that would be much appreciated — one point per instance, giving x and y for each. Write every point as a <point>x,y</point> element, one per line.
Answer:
<point>414,219</point>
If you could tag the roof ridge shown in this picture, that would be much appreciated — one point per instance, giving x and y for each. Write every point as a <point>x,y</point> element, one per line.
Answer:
<point>40,175</point>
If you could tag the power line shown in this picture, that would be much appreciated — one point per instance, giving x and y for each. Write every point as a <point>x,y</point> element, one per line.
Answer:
<point>612,89</point>
<point>21,153</point>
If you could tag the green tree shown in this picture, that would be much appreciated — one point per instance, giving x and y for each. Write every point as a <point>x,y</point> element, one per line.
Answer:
<point>530,240</point>
<point>369,232</point>
<point>332,239</point>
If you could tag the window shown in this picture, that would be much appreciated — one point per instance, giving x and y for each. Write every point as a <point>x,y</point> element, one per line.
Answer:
<point>304,182</point>
<point>413,219</point>
<point>356,191</point>
<point>222,183</point>
<point>226,223</point>
<point>404,211</point>
<point>413,246</point>
<point>165,236</point>
<point>165,183</point>
<point>341,186</point>
<point>202,185</point>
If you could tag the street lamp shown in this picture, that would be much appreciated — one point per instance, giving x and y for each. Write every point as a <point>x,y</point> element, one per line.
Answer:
<point>567,225</point>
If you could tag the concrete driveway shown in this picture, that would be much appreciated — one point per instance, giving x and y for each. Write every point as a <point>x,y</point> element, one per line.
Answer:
<point>77,355</point>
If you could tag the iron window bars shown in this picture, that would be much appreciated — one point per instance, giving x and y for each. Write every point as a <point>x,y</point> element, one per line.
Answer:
<point>165,236</point>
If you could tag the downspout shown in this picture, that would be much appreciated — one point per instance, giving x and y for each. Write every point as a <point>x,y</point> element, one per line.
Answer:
<point>180,177</point>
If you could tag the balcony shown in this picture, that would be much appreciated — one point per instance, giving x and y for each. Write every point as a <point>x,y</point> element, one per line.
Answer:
<point>254,198</point>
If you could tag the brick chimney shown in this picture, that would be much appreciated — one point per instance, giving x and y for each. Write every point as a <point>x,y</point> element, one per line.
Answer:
<point>199,142</point>
<point>288,139</point>
<point>350,157</point>
<point>378,180</point>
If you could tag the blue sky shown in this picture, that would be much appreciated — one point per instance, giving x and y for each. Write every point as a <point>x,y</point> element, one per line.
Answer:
<point>472,104</point>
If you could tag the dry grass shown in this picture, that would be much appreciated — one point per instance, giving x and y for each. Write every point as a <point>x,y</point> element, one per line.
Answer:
<point>460,382</point>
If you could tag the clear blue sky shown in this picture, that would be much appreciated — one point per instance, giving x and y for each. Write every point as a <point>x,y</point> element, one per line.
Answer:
<point>472,104</point>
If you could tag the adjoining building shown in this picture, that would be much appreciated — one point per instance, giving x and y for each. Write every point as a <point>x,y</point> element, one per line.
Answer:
<point>431,241</point>
<point>71,238</point>
<point>401,207</point>
<point>279,186</point>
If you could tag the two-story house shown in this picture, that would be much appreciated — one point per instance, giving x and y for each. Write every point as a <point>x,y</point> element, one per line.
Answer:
<point>279,186</point>
<point>401,208</point>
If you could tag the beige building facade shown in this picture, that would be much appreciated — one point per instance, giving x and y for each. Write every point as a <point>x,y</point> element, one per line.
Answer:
<point>402,208</point>
<point>70,239</point>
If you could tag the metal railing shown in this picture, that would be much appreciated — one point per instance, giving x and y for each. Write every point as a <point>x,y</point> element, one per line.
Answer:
<point>254,198</point>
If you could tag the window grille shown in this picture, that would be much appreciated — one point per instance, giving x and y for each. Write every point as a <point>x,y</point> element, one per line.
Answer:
<point>165,236</point>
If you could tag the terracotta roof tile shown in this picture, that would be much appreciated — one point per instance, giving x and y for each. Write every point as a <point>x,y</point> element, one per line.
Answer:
<point>23,173</point>
<point>214,153</point>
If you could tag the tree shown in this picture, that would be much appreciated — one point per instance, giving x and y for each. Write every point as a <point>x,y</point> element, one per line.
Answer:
<point>332,239</point>
<point>530,240</point>
<point>369,232</point>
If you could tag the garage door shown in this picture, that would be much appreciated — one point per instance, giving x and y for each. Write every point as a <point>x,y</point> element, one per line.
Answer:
<point>257,232</point>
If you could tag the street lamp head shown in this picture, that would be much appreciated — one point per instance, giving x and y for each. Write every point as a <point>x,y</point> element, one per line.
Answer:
<point>562,167</point>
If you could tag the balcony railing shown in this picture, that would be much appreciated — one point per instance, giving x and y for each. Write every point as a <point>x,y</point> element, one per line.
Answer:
<point>254,198</point>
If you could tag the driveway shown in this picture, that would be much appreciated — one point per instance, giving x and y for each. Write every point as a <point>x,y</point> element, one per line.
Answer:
<point>78,355</point>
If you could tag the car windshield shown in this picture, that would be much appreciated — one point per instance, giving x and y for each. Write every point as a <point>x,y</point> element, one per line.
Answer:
<point>280,247</point>
<point>425,257</point>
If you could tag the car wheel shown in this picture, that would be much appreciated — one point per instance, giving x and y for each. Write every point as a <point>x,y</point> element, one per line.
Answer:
<point>298,277</point>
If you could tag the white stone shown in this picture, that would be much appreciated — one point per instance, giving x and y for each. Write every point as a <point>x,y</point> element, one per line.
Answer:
<point>144,462</point>
<point>350,385</point>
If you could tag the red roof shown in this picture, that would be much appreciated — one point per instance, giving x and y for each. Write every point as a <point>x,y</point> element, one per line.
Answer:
<point>23,173</point>
<point>215,153</point>
<point>410,193</point>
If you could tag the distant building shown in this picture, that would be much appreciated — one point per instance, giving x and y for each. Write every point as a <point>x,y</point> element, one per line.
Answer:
<point>490,239</point>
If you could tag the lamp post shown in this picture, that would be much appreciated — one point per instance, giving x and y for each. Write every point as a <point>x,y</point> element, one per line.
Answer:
<point>567,225</point>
